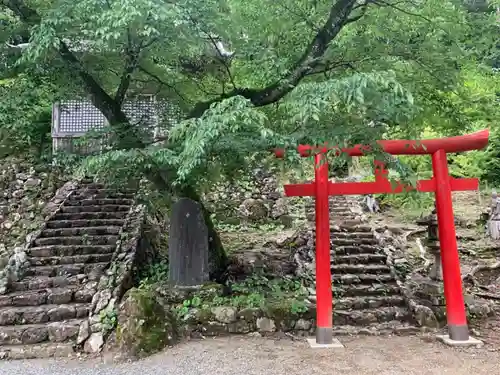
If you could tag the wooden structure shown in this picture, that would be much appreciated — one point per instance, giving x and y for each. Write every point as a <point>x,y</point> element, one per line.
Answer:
<point>441,184</point>
<point>73,119</point>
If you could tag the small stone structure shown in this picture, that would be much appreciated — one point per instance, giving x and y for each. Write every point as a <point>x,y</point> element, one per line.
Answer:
<point>493,224</point>
<point>432,244</point>
<point>188,244</point>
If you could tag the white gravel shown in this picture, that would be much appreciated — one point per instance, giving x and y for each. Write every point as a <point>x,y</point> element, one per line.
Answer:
<point>256,356</point>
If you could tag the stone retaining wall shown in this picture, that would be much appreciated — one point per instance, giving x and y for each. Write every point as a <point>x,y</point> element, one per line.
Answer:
<point>226,320</point>
<point>15,259</point>
<point>424,316</point>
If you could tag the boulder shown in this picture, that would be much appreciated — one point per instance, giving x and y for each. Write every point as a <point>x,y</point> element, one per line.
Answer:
<point>145,325</point>
<point>254,209</point>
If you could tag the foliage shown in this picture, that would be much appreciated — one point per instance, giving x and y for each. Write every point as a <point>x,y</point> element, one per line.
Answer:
<point>256,291</point>
<point>109,319</point>
<point>341,72</point>
<point>155,273</point>
<point>25,113</point>
<point>490,163</point>
<point>169,48</point>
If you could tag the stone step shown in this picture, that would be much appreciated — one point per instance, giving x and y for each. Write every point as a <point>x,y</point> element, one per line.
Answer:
<point>66,269</point>
<point>53,224</point>
<point>87,258</point>
<point>353,242</point>
<point>355,249</point>
<point>359,259</point>
<point>42,314</point>
<point>70,250</point>
<point>89,183</point>
<point>373,302</point>
<point>121,215</point>
<point>38,333</point>
<point>370,316</point>
<point>361,278</point>
<point>335,210</point>
<point>44,350</point>
<point>360,269</point>
<point>50,296</point>
<point>77,240</point>
<point>350,222</point>
<point>339,219</point>
<point>44,282</point>
<point>93,187</point>
<point>373,289</point>
<point>365,302</point>
<point>351,235</point>
<point>101,193</point>
<point>393,327</point>
<point>80,231</point>
<point>99,202</point>
<point>355,228</point>
<point>102,208</point>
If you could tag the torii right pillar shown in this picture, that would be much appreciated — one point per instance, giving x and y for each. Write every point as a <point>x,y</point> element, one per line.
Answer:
<point>458,331</point>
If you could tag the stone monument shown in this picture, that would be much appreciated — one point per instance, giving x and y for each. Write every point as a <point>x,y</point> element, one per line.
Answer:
<point>188,247</point>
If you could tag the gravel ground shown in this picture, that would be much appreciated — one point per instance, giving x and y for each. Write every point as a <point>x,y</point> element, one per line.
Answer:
<point>252,356</point>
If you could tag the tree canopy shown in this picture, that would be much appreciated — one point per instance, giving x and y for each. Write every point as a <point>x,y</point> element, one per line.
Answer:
<point>249,75</point>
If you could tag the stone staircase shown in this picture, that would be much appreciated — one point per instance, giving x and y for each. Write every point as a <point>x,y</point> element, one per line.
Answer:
<point>40,316</point>
<point>366,294</point>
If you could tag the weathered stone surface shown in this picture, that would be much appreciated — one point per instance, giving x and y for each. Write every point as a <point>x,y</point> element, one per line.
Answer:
<point>61,332</point>
<point>94,343</point>
<point>224,314</point>
<point>144,325</point>
<point>83,332</point>
<point>266,325</point>
<point>303,325</point>
<point>188,248</point>
<point>280,208</point>
<point>254,209</point>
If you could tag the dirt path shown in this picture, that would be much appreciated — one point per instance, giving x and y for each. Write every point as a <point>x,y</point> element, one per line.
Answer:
<point>256,356</point>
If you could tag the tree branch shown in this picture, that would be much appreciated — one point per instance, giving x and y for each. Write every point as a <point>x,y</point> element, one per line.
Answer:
<point>162,82</point>
<point>131,62</point>
<point>310,59</point>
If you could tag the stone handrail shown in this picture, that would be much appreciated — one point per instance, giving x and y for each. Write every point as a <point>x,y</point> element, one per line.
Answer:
<point>424,315</point>
<point>112,286</point>
<point>17,259</point>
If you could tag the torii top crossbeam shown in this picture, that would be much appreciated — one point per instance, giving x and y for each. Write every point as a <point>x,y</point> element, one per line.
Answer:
<point>474,141</point>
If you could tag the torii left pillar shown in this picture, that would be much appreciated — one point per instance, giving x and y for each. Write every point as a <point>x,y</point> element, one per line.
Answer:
<point>324,330</point>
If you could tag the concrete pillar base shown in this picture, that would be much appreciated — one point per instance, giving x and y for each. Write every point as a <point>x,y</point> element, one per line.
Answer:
<point>333,345</point>
<point>445,339</point>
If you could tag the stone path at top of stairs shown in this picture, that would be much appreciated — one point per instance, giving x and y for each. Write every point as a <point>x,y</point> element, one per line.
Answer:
<point>365,293</point>
<point>41,314</point>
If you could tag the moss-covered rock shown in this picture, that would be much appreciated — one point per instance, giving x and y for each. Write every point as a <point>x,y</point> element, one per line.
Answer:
<point>145,324</point>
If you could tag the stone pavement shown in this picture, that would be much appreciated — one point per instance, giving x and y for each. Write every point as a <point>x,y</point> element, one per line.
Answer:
<point>255,356</point>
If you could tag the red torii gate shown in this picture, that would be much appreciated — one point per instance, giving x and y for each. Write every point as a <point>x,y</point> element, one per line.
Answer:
<point>441,184</point>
